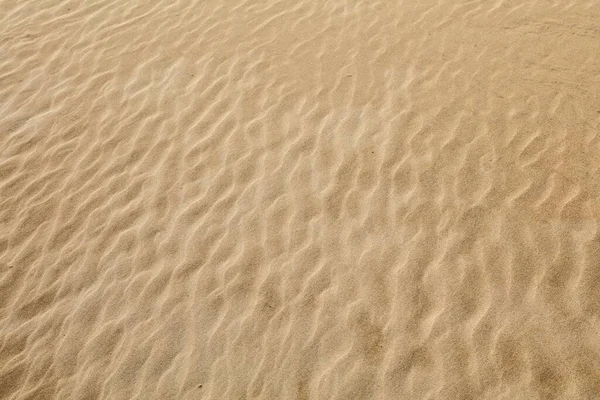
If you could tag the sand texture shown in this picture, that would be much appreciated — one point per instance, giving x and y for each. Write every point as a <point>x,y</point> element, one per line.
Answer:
<point>309,199</point>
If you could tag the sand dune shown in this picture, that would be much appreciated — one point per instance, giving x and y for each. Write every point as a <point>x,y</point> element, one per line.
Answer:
<point>299,199</point>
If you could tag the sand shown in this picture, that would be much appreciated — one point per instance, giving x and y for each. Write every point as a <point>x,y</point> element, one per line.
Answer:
<point>299,199</point>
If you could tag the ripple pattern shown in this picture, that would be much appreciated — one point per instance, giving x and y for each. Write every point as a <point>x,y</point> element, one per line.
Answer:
<point>299,200</point>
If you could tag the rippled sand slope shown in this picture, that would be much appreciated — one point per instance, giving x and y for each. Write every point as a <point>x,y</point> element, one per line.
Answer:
<point>299,199</point>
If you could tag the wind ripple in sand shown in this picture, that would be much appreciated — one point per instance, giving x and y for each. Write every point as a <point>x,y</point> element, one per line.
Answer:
<point>299,200</point>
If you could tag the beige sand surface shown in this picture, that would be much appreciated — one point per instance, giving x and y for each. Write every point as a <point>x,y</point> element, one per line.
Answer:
<point>309,199</point>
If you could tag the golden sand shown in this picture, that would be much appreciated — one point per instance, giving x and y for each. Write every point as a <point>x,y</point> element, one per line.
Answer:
<point>299,199</point>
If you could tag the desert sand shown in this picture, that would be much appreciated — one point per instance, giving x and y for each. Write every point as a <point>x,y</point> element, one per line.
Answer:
<point>299,199</point>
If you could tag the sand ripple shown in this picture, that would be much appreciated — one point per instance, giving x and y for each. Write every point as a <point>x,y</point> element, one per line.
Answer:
<point>293,200</point>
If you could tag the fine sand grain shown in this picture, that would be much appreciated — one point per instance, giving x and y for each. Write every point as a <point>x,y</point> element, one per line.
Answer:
<point>300,199</point>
